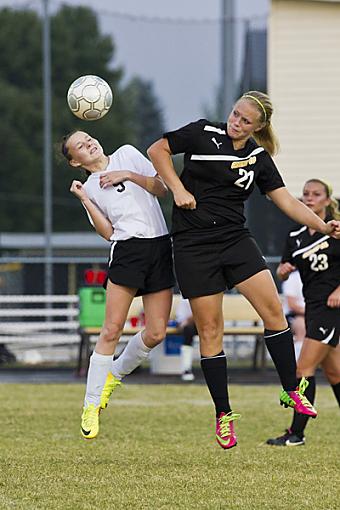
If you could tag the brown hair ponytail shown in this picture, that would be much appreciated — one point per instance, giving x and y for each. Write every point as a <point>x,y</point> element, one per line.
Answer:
<point>65,151</point>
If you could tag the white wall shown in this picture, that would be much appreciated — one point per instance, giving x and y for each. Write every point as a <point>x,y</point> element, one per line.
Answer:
<point>304,84</point>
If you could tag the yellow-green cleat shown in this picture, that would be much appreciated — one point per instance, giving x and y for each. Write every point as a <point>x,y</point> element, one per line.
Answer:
<point>90,421</point>
<point>110,384</point>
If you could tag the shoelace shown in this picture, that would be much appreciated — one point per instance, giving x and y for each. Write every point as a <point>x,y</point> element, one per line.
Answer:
<point>304,400</point>
<point>303,385</point>
<point>90,415</point>
<point>302,388</point>
<point>300,392</point>
<point>108,389</point>
<point>225,422</point>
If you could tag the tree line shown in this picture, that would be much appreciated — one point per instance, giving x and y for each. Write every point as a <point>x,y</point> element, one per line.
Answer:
<point>77,48</point>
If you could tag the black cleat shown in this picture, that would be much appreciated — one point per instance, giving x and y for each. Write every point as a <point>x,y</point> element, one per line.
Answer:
<point>287,439</point>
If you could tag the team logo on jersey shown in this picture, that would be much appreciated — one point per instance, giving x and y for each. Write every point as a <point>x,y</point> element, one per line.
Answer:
<point>328,339</point>
<point>318,247</point>
<point>216,142</point>
<point>246,162</point>
<point>298,242</point>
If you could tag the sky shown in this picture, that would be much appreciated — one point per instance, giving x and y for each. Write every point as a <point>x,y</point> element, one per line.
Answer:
<point>176,45</point>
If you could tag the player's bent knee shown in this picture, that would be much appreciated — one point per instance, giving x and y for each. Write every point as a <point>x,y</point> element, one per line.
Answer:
<point>111,332</point>
<point>275,322</point>
<point>333,376</point>
<point>274,314</point>
<point>209,331</point>
<point>154,337</point>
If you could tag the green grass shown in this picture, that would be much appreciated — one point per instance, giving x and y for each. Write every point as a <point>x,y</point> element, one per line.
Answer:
<point>156,450</point>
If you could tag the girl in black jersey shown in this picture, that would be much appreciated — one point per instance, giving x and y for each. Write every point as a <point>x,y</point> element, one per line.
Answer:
<point>317,257</point>
<point>213,249</point>
<point>120,197</point>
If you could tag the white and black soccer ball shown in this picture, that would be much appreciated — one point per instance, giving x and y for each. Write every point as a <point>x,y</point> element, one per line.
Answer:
<point>89,97</point>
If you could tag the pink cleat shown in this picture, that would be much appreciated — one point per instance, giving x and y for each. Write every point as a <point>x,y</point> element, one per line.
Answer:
<point>297,400</point>
<point>225,433</point>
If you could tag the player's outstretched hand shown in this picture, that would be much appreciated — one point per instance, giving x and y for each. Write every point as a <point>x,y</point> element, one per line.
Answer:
<point>333,229</point>
<point>78,190</point>
<point>184,199</point>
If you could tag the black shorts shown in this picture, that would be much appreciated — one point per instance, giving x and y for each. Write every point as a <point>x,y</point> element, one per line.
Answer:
<point>323,324</point>
<point>206,266</point>
<point>143,264</point>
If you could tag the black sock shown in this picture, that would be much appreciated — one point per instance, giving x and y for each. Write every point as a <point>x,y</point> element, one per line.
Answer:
<point>336,389</point>
<point>215,372</point>
<point>189,332</point>
<point>280,345</point>
<point>300,420</point>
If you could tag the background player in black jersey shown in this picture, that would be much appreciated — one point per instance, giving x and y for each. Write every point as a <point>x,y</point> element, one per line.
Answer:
<point>317,258</point>
<point>120,198</point>
<point>213,249</point>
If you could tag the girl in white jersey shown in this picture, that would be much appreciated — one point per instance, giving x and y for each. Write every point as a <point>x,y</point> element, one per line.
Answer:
<point>212,247</point>
<point>120,197</point>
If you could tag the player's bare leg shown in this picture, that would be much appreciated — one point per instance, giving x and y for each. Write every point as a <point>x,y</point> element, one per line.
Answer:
<point>118,301</point>
<point>261,292</point>
<point>157,306</point>
<point>208,317</point>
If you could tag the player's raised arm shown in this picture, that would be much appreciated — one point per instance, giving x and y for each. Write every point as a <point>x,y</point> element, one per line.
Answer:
<point>300,213</point>
<point>160,155</point>
<point>101,224</point>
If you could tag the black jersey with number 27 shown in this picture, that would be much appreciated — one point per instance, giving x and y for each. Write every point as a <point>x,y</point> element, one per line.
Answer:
<point>220,177</point>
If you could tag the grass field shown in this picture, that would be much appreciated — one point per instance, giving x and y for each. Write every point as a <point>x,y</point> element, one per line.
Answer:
<point>156,450</point>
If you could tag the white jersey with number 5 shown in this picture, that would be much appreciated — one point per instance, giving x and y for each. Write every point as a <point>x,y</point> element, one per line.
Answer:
<point>132,211</point>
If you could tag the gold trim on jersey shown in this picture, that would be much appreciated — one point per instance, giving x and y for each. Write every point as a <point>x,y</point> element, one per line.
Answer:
<point>310,248</point>
<point>241,164</point>
<point>318,247</point>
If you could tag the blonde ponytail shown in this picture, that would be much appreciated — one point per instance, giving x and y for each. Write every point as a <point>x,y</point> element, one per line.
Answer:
<point>266,136</point>
<point>333,209</point>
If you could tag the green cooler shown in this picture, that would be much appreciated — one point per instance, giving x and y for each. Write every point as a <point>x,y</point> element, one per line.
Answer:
<point>91,306</point>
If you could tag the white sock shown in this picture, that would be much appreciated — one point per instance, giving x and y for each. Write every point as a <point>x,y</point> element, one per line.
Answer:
<point>100,365</point>
<point>134,353</point>
<point>186,358</point>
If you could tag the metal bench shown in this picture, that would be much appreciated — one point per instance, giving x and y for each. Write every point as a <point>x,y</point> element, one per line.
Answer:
<point>39,321</point>
<point>36,320</point>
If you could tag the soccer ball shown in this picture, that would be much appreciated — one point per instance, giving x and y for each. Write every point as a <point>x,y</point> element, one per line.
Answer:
<point>89,97</point>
